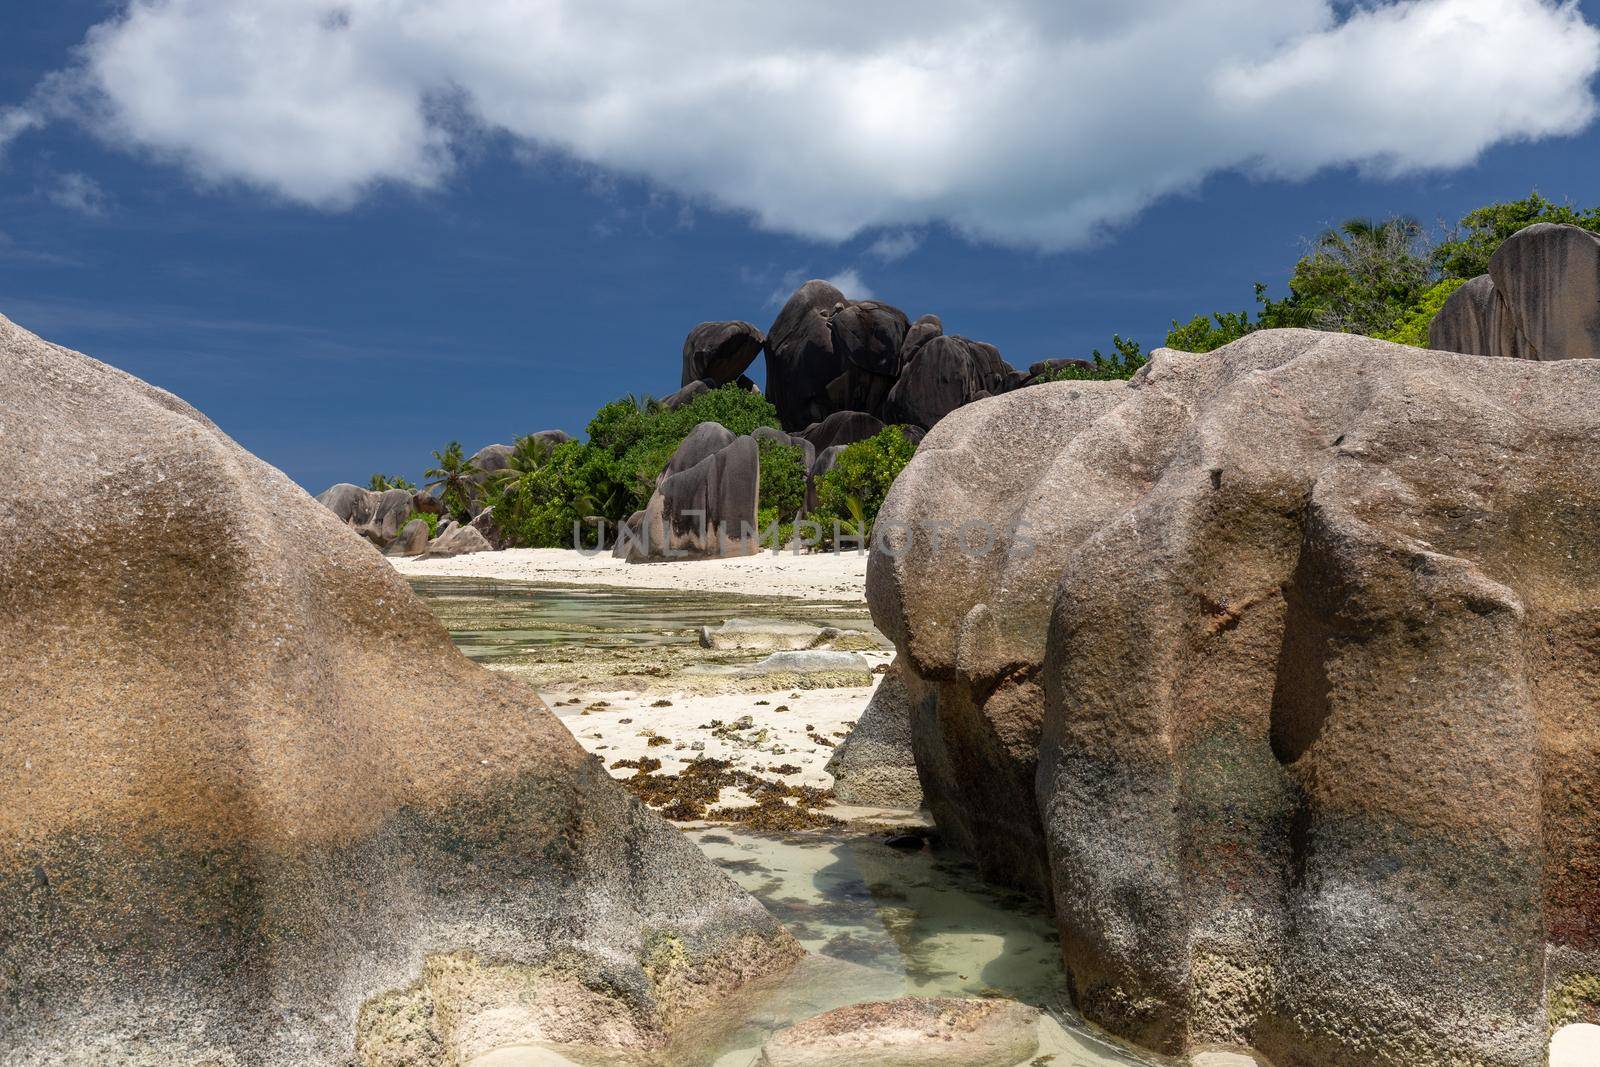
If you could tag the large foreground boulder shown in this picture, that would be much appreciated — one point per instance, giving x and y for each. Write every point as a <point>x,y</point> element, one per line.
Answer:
<point>377,516</point>
<point>1540,299</point>
<point>256,809</point>
<point>1284,688</point>
<point>827,354</point>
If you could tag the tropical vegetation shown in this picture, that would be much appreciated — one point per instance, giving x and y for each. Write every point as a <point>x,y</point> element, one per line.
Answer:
<point>853,490</point>
<point>1384,278</point>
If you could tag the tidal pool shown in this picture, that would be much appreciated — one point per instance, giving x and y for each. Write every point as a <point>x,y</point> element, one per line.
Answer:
<point>878,922</point>
<point>496,620</point>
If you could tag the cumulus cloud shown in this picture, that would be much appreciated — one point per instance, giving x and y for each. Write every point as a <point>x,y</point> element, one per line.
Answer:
<point>78,192</point>
<point>848,282</point>
<point>1028,122</point>
<point>14,122</point>
<point>893,247</point>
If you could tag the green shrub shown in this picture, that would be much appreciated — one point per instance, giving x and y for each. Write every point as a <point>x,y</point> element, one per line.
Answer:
<point>1412,329</point>
<point>771,519</point>
<point>1208,333</point>
<point>852,492</point>
<point>381,482</point>
<point>426,516</point>
<point>641,436</point>
<point>578,483</point>
<point>783,478</point>
<point>1465,252</point>
<point>612,474</point>
<point>1124,364</point>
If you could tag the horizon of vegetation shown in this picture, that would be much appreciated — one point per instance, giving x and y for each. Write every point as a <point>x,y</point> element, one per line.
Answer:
<point>1378,278</point>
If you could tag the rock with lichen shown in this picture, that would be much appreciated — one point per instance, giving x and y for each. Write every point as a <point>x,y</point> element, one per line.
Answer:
<point>1275,677</point>
<point>224,838</point>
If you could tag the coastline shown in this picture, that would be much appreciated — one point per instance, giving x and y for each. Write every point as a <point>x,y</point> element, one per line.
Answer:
<point>818,576</point>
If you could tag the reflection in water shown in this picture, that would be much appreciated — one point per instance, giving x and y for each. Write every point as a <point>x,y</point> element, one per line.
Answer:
<point>882,923</point>
<point>924,917</point>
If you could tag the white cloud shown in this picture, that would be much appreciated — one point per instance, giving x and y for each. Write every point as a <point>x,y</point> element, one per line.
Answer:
<point>14,122</point>
<point>892,247</point>
<point>849,283</point>
<point>78,192</point>
<point>1029,122</point>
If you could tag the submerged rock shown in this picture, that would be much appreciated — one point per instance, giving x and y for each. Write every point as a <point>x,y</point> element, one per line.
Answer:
<point>910,1032</point>
<point>761,634</point>
<point>875,766</point>
<point>256,808</point>
<point>1281,690</point>
<point>812,670</point>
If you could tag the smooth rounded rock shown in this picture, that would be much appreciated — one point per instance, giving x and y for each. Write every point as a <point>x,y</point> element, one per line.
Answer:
<point>1247,671</point>
<point>411,541</point>
<point>258,809</point>
<point>760,634</point>
<point>375,515</point>
<point>720,351</point>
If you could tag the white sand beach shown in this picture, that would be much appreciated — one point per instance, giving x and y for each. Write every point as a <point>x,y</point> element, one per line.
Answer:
<point>820,576</point>
<point>670,705</point>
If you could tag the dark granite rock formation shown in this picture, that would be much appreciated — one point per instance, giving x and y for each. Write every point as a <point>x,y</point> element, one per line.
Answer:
<point>946,373</point>
<point>705,509</point>
<point>720,352</point>
<point>842,428</point>
<point>827,354</point>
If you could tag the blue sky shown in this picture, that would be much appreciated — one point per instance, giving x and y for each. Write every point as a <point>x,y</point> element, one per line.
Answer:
<point>343,304</point>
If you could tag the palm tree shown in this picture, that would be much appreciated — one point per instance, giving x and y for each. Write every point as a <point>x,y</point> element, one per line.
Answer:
<point>528,455</point>
<point>1362,274</point>
<point>452,474</point>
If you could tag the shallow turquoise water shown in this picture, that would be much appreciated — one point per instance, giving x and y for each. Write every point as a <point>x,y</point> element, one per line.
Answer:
<point>490,620</point>
<point>878,922</point>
